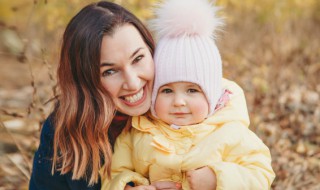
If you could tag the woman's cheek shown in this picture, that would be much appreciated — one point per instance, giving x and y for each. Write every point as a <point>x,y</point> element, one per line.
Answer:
<point>113,88</point>
<point>151,71</point>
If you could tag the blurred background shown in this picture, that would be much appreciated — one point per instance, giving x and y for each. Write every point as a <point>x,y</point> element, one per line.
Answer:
<point>271,48</point>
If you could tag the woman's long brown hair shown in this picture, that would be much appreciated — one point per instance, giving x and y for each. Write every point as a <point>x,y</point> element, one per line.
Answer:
<point>84,110</point>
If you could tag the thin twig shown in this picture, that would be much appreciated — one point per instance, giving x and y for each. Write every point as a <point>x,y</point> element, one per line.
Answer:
<point>23,154</point>
<point>13,114</point>
<point>22,169</point>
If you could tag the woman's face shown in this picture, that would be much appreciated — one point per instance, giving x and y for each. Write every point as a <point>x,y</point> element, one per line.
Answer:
<point>127,70</point>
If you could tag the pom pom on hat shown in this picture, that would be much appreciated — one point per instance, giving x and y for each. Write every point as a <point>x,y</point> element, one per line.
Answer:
<point>186,51</point>
<point>185,17</point>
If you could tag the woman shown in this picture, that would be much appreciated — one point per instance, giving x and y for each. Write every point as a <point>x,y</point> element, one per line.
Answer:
<point>105,75</point>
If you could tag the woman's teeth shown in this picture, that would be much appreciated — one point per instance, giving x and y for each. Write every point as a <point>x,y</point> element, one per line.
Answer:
<point>134,98</point>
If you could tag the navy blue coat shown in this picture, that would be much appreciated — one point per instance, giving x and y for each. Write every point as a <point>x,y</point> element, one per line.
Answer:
<point>41,178</point>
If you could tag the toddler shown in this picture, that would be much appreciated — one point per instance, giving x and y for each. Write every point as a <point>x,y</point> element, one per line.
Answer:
<point>197,118</point>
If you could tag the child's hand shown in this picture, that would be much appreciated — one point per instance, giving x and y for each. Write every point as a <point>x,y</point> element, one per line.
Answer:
<point>140,187</point>
<point>166,185</point>
<point>202,179</point>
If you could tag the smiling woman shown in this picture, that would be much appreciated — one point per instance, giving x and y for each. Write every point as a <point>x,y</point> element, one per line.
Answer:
<point>127,70</point>
<point>105,75</point>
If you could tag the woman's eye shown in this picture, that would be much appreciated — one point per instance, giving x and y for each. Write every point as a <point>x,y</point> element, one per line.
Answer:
<point>166,91</point>
<point>108,72</point>
<point>138,58</point>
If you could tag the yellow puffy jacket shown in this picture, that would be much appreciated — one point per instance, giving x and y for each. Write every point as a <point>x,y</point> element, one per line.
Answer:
<point>153,151</point>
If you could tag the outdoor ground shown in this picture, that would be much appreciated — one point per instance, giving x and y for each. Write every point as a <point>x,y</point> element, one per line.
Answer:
<point>271,49</point>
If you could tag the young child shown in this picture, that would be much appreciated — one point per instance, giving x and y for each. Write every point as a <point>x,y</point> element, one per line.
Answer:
<point>198,118</point>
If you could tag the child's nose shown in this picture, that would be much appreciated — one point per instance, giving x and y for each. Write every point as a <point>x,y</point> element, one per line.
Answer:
<point>179,100</point>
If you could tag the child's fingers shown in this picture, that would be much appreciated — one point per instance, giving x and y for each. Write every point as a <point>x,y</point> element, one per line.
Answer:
<point>140,187</point>
<point>146,187</point>
<point>166,185</point>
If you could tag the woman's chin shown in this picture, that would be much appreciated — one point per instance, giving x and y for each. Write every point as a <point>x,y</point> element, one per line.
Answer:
<point>133,109</point>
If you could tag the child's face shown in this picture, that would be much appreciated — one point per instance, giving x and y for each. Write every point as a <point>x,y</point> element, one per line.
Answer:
<point>181,103</point>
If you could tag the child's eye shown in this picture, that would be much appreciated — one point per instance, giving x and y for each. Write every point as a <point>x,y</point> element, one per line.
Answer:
<point>192,90</point>
<point>108,72</point>
<point>138,58</point>
<point>166,91</point>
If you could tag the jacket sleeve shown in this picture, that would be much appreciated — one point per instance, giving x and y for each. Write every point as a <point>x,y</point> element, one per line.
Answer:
<point>246,161</point>
<point>122,169</point>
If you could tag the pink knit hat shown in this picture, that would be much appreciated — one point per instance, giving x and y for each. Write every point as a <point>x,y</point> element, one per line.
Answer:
<point>186,51</point>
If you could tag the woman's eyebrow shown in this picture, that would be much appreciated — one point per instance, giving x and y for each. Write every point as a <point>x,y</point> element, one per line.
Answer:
<point>106,64</point>
<point>111,64</point>
<point>135,52</point>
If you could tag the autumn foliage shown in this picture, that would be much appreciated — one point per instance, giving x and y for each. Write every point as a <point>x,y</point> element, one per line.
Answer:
<point>270,48</point>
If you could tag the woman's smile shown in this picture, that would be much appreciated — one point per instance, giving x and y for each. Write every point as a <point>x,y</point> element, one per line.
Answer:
<point>135,99</point>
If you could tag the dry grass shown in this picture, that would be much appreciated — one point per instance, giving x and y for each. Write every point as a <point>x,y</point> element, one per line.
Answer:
<point>271,49</point>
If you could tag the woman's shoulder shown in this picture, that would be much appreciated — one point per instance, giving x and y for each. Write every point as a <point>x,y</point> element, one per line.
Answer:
<point>47,130</point>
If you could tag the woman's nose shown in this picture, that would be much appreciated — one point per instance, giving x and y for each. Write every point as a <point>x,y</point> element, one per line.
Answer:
<point>131,82</point>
